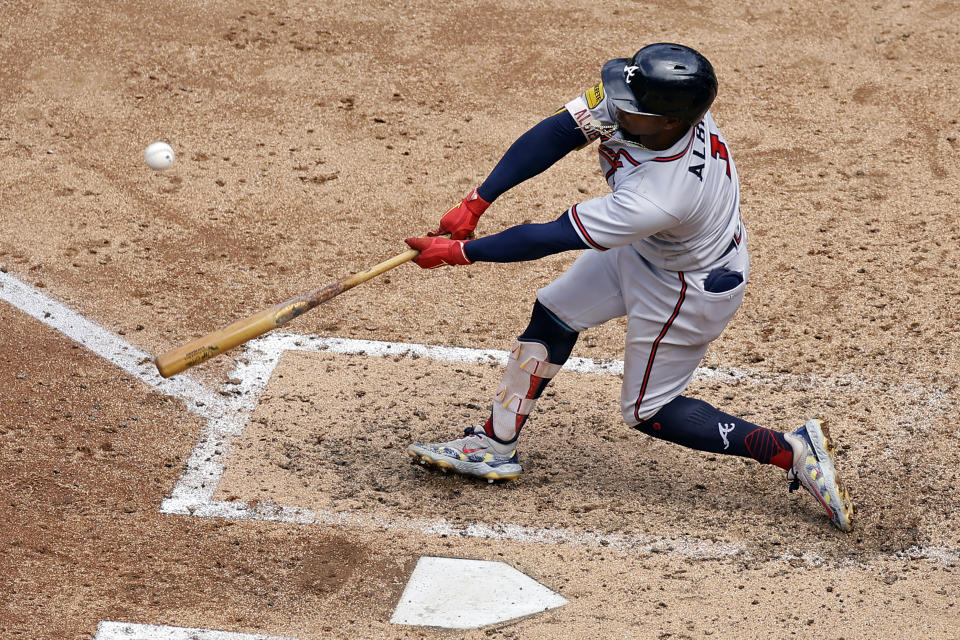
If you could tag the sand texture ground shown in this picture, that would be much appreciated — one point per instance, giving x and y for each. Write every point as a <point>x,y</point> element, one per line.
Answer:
<point>312,137</point>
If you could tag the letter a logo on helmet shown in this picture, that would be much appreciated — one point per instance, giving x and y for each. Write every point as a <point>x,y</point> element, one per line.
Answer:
<point>662,79</point>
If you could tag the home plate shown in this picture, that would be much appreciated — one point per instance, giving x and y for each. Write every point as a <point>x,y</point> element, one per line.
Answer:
<point>454,593</point>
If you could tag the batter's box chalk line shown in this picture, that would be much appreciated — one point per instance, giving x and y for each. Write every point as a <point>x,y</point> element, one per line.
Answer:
<point>226,413</point>
<point>194,492</point>
<point>108,630</point>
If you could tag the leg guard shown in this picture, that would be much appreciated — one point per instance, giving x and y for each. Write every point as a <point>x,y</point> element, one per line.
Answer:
<point>527,374</point>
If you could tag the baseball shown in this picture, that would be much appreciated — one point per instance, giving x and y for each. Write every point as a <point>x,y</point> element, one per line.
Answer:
<point>159,156</point>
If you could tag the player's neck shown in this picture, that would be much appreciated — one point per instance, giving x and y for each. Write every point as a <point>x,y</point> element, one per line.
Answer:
<point>657,142</point>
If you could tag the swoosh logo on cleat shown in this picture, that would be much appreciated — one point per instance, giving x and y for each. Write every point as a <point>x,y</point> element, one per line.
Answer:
<point>465,450</point>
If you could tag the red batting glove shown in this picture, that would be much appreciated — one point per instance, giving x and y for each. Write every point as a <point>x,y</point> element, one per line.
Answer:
<point>438,252</point>
<point>461,220</point>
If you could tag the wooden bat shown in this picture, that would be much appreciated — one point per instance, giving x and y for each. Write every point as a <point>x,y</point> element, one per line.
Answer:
<point>213,344</point>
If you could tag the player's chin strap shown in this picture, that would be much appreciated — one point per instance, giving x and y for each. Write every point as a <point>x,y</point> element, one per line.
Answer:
<point>607,130</point>
<point>528,372</point>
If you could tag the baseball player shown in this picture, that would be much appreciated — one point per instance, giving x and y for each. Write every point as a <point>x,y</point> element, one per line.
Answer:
<point>666,248</point>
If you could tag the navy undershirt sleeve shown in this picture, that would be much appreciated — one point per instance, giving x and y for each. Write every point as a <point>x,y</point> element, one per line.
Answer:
<point>526,242</point>
<point>532,153</point>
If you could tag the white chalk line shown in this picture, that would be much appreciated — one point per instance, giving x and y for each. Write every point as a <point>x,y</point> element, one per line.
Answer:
<point>109,346</point>
<point>227,413</point>
<point>110,630</point>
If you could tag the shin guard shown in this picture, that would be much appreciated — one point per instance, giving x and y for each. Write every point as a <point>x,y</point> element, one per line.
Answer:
<point>527,374</point>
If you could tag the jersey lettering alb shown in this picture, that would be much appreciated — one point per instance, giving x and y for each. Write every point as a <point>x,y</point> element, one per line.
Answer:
<point>679,208</point>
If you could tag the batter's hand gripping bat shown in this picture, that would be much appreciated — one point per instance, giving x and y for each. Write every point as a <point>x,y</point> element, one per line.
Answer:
<point>213,344</point>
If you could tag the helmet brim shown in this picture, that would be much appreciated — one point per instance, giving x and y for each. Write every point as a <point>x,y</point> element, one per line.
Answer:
<point>617,90</point>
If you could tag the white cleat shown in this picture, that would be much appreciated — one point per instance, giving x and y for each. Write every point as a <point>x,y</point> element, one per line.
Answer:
<point>475,454</point>
<point>813,467</point>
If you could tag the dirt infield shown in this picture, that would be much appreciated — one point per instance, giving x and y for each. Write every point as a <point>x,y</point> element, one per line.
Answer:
<point>311,139</point>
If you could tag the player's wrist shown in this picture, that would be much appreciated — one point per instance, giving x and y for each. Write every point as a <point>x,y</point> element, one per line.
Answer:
<point>476,203</point>
<point>463,252</point>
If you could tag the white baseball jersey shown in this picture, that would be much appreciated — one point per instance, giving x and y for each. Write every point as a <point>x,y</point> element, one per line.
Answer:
<point>679,208</point>
<point>672,217</point>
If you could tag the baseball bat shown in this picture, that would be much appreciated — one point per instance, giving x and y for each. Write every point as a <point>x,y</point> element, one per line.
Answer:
<point>213,344</point>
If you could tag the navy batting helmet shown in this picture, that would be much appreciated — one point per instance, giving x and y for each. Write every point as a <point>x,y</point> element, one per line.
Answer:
<point>662,79</point>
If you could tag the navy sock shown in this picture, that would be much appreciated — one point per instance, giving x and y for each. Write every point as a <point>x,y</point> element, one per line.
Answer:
<point>695,424</point>
<point>551,332</point>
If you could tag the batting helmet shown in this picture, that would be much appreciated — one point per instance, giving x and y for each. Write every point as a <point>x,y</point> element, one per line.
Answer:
<point>662,79</point>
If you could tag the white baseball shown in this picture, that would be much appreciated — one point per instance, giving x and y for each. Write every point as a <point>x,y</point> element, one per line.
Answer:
<point>159,156</point>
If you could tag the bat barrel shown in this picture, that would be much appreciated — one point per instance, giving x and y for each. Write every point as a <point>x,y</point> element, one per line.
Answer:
<point>213,344</point>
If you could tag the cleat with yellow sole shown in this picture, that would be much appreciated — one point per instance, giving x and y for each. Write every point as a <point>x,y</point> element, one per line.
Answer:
<point>475,454</point>
<point>815,470</point>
